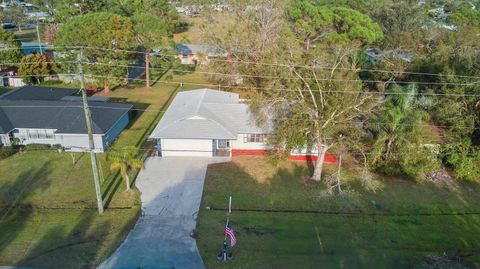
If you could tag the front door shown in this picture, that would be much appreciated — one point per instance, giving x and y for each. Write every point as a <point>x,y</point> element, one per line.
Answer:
<point>221,147</point>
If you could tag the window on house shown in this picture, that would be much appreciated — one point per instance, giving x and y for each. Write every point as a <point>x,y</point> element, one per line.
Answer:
<point>222,143</point>
<point>32,134</point>
<point>39,134</point>
<point>254,138</point>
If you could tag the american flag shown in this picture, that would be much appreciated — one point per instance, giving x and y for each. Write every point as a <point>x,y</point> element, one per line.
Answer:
<point>230,234</point>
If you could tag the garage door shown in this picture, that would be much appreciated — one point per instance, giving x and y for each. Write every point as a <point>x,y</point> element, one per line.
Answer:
<point>185,147</point>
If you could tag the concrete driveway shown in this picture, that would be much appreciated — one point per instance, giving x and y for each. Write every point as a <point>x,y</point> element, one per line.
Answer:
<point>171,190</point>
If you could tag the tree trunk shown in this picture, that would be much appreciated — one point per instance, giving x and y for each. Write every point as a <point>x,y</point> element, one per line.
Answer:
<point>127,181</point>
<point>317,173</point>
<point>339,175</point>
<point>73,158</point>
<point>147,67</point>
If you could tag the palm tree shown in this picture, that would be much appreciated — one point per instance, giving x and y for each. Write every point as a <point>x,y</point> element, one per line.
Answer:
<point>125,160</point>
<point>398,125</point>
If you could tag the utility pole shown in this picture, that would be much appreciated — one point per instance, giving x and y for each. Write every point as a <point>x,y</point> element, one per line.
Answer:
<point>91,143</point>
<point>147,67</point>
<point>38,38</point>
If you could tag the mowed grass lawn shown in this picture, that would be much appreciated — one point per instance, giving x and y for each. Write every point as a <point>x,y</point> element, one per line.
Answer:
<point>48,215</point>
<point>403,225</point>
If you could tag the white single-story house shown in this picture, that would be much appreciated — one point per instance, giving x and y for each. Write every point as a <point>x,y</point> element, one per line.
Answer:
<point>210,123</point>
<point>50,116</point>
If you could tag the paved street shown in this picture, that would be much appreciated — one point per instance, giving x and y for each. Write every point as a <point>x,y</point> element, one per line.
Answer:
<point>171,190</point>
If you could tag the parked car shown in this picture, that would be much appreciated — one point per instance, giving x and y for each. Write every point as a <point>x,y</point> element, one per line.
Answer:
<point>8,26</point>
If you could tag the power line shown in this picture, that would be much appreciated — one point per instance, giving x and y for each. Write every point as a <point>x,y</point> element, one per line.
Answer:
<point>296,66</point>
<point>272,77</point>
<point>264,88</point>
<point>279,64</point>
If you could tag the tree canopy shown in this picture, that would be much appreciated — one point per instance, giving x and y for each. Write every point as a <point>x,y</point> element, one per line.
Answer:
<point>104,37</point>
<point>34,68</point>
<point>313,23</point>
<point>10,48</point>
<point>398,130</point>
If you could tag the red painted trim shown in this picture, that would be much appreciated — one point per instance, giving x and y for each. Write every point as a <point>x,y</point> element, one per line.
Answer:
<point>329,158</point>
<point>248,152</point>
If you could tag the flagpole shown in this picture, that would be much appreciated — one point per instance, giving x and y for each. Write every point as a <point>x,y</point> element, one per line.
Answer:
<point>226,225</point>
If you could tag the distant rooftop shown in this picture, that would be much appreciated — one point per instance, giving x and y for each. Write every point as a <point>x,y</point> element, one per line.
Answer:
<point>207,50</point>
<point>38,93</point>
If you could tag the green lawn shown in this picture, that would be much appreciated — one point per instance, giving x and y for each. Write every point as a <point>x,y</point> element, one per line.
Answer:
<point>48,217</point>
<point>404,225</point>
<point>3,90</point>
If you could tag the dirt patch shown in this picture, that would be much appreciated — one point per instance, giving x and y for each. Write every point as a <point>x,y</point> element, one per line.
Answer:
<point>443,178</point>
<point>257,231</point>
<point>261,173</point>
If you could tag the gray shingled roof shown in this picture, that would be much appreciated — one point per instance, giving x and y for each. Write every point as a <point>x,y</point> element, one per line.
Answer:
<point>206,114</point>
<point>211,51</point>
<point>37,93</point>
<point>63,116</point>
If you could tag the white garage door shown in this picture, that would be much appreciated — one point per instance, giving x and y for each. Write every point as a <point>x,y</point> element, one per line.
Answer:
<point>186,147</point>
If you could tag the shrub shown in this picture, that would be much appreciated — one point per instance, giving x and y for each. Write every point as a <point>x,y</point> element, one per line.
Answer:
<point>36,147</point>
<point>420,162</point>
<point>464,159</point>
<point>414,163</point>
<point>6,152</point>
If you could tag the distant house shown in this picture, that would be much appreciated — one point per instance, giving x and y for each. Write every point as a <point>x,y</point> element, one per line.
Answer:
<point>377,55</point>
<point>33,47</point>
<point>9,78</point>
<point>53,116</point>
<point>198,54</point>
<point>210,123</point>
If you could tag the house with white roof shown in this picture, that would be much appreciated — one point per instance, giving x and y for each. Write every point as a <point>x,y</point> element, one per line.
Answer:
<point>210,123</point>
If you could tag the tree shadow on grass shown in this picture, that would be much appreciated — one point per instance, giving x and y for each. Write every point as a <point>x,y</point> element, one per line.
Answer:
<point>16,212</point>
<point>63,246</point>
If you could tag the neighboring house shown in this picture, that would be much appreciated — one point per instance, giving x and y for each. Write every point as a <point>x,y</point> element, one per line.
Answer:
<point>377,55</point>
<point>198,54</point>
<point>52,116</point>
<point>212,123</point>
<point>9,78</point>
<point>38,16</point>
<point>33,47</point>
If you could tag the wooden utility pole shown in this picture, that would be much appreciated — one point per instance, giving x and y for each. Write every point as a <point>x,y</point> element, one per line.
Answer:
<point>147,67</point>
<point>91,143</point>
<point>38,38</point>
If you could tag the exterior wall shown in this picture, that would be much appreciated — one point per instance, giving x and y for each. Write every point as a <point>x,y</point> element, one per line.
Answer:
<point>79,142</point>
<point>71,142</point>
<point>24,139</point>
<point>4,140</point>
<point>240,144</point>
<point>241,148</point>
<point>187,59</point>
<point>116,129</point>
<point>16,82</point>
<point>192,59</point>
<point>186,147</point>
<point>203,147</point>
